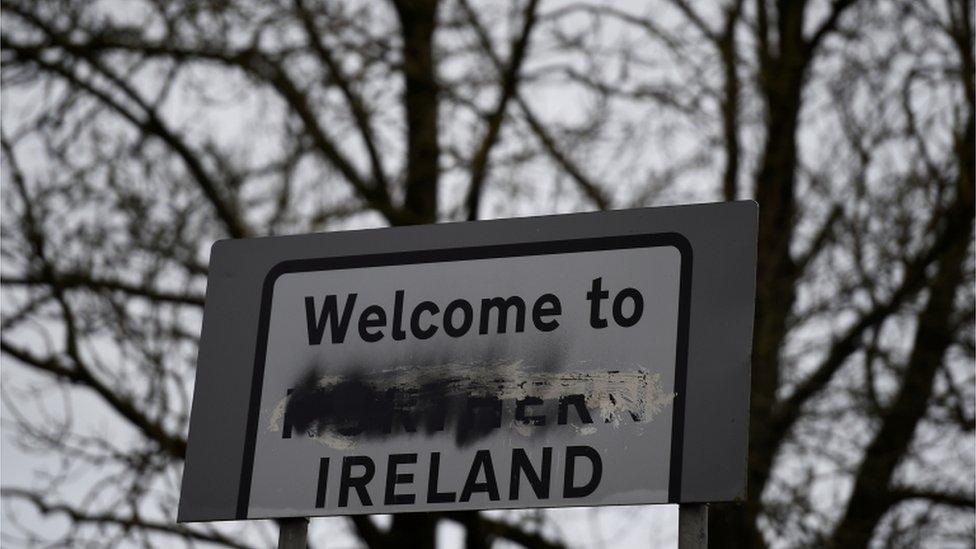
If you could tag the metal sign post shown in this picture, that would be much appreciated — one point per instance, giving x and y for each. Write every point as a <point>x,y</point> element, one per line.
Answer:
<point>693,526</point>
<point>293,533</point>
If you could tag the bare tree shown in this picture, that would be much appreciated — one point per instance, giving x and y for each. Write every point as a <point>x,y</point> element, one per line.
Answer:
<point>135,134</point>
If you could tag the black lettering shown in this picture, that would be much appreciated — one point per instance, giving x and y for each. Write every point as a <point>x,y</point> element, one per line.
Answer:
<point>436,414</point>
<point>357,410</point>
<point>482,461</point>
<point>570,490</point>
<point>393,478</point>
<point>397,332</point>
<point>481,415</point>
<point>618,307</point>
<point>539,483</point>
<point>595,296</point>
<point>347,481</point>
<point>502,306</point>
<point>547,305</point>
<point>323,483</point>
<point>433,496</point>
<point>578,402</point>
<point>330,313</point>
<point>406,411</point>
<point>430,330</point>
<point>521,406</point>
<point>286,422</point>
<point>372,317</point>
<point>467,317</point>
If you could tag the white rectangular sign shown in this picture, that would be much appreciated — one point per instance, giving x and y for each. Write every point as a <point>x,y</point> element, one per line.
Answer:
<point>514,376</point>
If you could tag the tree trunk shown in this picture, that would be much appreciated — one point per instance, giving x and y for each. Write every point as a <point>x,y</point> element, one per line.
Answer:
<point>418,19</point>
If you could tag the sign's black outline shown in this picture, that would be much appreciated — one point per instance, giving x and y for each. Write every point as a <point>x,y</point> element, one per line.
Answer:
<point>469,253</point>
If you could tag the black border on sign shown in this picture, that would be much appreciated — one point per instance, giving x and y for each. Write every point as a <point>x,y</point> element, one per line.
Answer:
<point>497,251</point>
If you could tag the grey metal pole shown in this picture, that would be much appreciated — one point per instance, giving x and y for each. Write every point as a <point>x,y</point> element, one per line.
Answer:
<point>693,526</point>
<point>293,533</point>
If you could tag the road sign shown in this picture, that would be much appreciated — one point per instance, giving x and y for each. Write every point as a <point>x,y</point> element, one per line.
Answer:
<point>584,359</point>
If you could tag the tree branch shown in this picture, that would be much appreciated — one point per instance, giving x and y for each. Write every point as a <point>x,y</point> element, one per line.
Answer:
<point>78,516</point>
<point>502,529</point>
<point>787,411</point>
<point>149,122</point>
<point>871,497</point>
<point>355,102</point>
<point>251,61</point>
<point>951,499</point>
<point>829,25</point>
<point>80,280</point>
<point>509,84</point>
<point>418,20</point>
<point>589,187</point>
<point>171,444</point>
